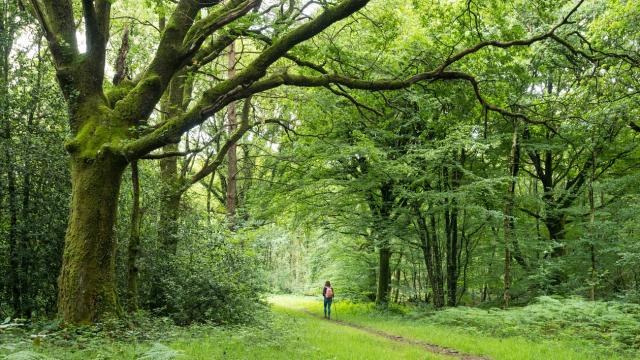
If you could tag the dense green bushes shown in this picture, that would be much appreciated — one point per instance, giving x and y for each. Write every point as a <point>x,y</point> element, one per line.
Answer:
<point>222,285</point>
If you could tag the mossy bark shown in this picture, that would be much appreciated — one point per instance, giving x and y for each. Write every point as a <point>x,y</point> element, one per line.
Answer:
<point>87,284</point>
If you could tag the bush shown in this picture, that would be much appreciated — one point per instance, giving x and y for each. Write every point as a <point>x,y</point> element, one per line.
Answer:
<point>222,284</point>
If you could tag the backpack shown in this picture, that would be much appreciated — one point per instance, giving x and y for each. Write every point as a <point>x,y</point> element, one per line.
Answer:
<point>328,293</point>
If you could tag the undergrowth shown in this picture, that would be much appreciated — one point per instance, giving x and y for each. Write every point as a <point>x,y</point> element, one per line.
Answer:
<point>138,336</point>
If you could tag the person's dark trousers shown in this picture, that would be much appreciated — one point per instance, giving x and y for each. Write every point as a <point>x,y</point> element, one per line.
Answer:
<point>327,307</point>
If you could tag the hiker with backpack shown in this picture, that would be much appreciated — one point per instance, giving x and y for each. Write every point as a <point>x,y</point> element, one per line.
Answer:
<point>327,294</point>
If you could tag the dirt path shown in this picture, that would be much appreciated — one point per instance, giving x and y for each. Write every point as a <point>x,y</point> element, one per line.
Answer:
<point>428,347</point>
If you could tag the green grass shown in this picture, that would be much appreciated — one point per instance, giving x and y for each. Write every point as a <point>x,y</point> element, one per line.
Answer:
<point>465,340</point>
<point>299,336</point>
<point>289,334</point>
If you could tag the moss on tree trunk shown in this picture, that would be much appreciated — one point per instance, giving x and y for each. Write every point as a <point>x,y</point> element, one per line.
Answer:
<point>87,284</point>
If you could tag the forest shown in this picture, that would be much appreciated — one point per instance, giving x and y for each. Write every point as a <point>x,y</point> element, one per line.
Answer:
<point>180,178</point>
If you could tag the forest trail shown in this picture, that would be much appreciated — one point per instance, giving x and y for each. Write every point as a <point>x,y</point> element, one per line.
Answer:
<point>428,347</point>
<point>450,353</point>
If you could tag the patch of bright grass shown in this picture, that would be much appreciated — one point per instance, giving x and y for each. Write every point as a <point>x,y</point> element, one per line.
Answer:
<point>467,333</point>
<point>294,335</point>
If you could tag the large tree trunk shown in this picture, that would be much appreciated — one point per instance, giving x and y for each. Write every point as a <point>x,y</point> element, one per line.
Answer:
<point>87,284</point>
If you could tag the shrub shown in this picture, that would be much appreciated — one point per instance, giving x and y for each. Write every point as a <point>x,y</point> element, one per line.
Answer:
<point>222,284</point>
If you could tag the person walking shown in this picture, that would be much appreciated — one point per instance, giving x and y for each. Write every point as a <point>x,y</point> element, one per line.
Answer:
<point>327,294</point>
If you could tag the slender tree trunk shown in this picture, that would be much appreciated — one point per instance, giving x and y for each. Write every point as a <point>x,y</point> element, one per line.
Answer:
<point>397,289</point>
<point>438,287</point>
<point>171,199</point>
<point>173,103</point>
<point>452,177</point>
<point>514,166</point>
<point>429,250</point>
<point>384,273</point>
<point>592,221</point>
<point>14,248</point>
<point>451,180</point>
<point>134,241</point>
<point>452,254</point>
<point>209,192</point>
<point>87,284</point>
<point>6,44</point>
<point>384,248</point>
<point>232,160</point>
<point>26,247</point>
<point>465,267</point>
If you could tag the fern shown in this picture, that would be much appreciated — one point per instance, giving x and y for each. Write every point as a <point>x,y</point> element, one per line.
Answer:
<point>27,355</point>
<point>161,352</point>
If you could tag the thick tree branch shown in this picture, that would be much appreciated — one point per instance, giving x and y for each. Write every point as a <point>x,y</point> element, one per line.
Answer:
<point>248,81</point>
<point>168,59</point>
<point>211,52</point>
<point>219,96</point>
<point>226,14</point>
<point>122,71</point>
<point>170,154</point>
<point>508,44</point>
<point>96,19</point>
<point>56,18</point>
<point>601,55</point>
<point>222,152</point>
<point>377,85</point>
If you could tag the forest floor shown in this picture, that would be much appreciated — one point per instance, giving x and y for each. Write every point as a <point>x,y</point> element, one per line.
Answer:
<point>295,329</point>
<point>444,341</point>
